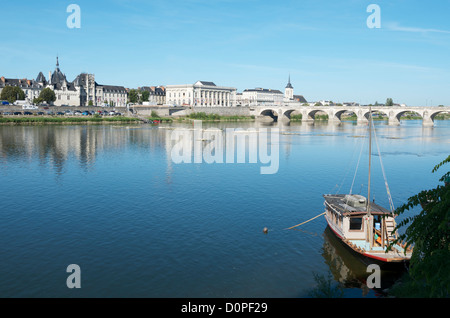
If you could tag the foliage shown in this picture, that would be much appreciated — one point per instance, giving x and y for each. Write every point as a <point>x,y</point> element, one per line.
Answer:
<point>62,119</point>
<point>216,117</point>
<point>297,117</point>
<point>429,232</point>
<point>325,288</point>
<point>37,100</point>
<point>47,95</point>
<point>91,103</point>
<point>204,116</point>
<point>133,96</point>
<point>154,114</point>
<point>145,96</point>
<point>389,102</point>
<point>12,93</point>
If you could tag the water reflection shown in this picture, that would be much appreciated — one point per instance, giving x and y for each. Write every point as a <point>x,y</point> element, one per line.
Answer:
<point>54,145</point>
<point>348,270</point>
<point>182,230</point>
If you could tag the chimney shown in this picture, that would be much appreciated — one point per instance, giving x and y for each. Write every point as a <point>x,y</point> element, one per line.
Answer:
<point>2,79</point>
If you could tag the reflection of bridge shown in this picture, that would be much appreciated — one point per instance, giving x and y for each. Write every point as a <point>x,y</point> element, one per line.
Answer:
<point>393,113</point>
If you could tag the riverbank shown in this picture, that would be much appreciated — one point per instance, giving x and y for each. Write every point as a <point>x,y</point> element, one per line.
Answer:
<point>17,120</point>
<point>33,119</point>
<point>215,117</point>
<point>64,120</point>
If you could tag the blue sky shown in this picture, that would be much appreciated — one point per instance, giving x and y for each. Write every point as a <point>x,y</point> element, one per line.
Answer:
<point>325,46</point>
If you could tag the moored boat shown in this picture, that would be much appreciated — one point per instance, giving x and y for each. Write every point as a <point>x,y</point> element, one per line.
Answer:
<point>366,228</point>
<point>367,235</point>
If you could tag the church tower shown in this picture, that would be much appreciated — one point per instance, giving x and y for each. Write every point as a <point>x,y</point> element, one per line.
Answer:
<point>289,90</point>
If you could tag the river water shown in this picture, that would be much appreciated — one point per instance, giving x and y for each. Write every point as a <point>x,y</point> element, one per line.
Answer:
<point>116,201</point>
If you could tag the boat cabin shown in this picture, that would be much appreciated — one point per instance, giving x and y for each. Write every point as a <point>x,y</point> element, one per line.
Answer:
<point>347,216</point>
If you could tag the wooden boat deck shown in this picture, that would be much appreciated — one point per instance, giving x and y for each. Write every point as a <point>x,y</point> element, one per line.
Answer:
<point>337,201</point>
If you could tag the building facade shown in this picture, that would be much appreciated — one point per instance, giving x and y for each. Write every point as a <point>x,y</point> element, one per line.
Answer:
<point>157,94</point>
<point>114,96</point>
<point>83,90</point>
<point>289,91</point>
<point>201,94</point>
<point>31,88</point>
<point>261,96</point>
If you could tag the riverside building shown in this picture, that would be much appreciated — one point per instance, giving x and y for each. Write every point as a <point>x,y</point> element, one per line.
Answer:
<point>201,94</point>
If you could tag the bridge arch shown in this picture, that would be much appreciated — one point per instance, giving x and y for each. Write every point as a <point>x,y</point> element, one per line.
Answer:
<point>311,114</point>
<point>434,114</point>
<point>401,113</point>
<point>288,113</point>
<point>269,112</point>
<point>339,113</point>
<point>379,111</point>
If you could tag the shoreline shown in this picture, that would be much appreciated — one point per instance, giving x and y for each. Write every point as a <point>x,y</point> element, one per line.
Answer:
<point>43,120</point>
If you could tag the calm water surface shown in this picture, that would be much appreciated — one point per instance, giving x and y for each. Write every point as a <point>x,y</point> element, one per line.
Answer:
<point>110,199</point>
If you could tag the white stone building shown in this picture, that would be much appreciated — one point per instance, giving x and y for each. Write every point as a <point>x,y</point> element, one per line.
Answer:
<point>261,96</point>
<point>289,91</point>
<point>83,91</point>
<point>108,95</point>
<point>201,94</point>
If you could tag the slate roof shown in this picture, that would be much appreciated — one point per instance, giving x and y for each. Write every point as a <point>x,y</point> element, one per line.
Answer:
<point>206,83</point>
<point>300,98</point>
<point>113,89</point>
<point>22,83</point>
<point>154,90</point>
<point>265,90</point>
<point>289,83</point>
<point>41,78</point>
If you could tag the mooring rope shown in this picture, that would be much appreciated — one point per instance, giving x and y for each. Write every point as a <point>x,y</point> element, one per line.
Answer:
<point>290,228</point>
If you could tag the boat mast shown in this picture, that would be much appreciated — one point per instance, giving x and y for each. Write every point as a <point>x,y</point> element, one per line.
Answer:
<point>369,215</point>
<point>370,159</point>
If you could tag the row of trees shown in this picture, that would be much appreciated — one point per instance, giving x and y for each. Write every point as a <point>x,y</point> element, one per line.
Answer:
<point>389,102</point>
<point>136,96</point>
<point>13,93</point>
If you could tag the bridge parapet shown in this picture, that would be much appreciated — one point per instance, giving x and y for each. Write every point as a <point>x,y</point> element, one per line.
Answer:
<point>393,113</point>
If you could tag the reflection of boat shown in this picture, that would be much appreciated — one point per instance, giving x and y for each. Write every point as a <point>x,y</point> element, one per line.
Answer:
<point>348,270</point>
<point>365,227</point>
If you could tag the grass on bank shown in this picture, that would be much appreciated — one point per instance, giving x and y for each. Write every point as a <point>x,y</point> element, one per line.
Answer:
<point>43,120</point>
<point>215,117</point>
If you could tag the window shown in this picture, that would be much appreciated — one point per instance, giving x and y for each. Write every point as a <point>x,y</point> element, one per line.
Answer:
<point>356,224</point>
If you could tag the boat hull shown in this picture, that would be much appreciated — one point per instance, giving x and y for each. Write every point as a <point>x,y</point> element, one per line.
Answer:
<point>368,259</point>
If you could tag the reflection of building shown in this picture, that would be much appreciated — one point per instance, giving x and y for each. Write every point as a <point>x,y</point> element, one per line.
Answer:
<point>201,94</point>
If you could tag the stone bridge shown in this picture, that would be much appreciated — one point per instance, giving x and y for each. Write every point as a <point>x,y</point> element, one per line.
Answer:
<point>393,113</point>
